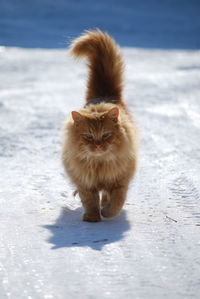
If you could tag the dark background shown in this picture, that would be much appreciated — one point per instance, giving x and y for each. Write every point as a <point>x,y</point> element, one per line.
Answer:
<point>171,24</point>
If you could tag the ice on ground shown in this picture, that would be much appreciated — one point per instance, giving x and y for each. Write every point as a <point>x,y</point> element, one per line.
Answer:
<point>152,249</point>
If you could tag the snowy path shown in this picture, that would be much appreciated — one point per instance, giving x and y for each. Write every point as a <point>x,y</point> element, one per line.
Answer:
<point>152,249</point>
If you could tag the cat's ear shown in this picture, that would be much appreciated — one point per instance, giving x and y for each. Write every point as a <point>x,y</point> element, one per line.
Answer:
<point>77,116</point>
<point>113,113</point>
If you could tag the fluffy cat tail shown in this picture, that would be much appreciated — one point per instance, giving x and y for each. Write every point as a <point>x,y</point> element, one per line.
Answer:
<point>105,64</point>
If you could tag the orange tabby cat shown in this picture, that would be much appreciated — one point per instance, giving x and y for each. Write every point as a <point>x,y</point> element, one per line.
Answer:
<point>99,150</point>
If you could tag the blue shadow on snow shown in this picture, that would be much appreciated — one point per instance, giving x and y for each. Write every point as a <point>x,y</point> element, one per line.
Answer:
<point>70,231</point>
<point>167,24</point>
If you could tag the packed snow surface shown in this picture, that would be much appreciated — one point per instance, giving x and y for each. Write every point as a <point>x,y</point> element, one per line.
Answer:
<point>152,249</point>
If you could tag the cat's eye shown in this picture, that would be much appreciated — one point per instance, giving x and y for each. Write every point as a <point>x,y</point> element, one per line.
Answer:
<point>106,135</point>
<point>88,136</point>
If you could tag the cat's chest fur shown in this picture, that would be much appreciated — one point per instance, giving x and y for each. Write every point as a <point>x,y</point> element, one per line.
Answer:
<point>97,173</point>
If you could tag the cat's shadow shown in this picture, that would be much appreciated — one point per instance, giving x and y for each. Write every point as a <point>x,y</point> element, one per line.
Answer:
<point>70,231</point>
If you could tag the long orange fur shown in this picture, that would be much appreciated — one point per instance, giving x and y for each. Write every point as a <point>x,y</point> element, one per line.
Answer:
<point>100,144</point>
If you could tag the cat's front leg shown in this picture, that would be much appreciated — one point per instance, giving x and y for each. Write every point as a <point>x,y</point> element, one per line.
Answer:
<point>91,204</point>
<point>116,202</point>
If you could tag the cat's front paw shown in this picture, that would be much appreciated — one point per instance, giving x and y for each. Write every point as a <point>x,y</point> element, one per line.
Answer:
<point>91,217</point>
<point>109,212</point>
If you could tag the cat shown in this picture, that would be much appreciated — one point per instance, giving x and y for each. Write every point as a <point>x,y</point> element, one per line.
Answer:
<point>100,140</point>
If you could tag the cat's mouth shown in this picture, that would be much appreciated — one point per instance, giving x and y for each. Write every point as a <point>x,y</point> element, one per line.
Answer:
<point>98,151</point>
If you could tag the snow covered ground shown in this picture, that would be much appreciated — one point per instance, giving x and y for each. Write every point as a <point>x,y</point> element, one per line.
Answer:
<point>152,249</point>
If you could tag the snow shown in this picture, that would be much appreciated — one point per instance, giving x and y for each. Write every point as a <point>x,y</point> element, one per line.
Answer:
<point>152,249</point>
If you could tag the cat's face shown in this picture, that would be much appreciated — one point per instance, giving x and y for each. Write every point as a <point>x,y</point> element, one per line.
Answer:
<point>97,135</point>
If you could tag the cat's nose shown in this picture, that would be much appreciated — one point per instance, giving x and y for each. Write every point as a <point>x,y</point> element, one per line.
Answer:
<point>98,147</point>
